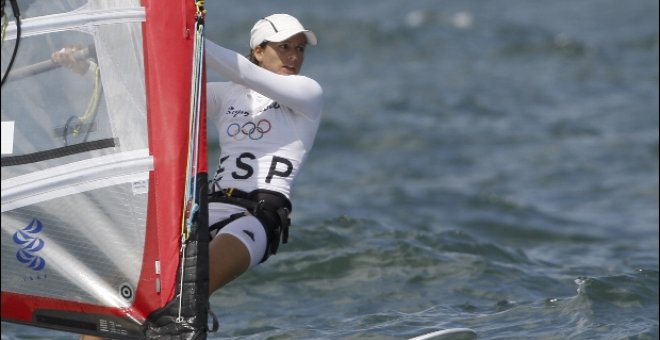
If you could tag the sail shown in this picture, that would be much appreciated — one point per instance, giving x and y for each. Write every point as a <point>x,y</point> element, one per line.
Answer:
<point>104,225</point>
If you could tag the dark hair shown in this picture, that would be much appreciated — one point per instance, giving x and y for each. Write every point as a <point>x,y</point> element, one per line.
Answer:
<point>250,55</point>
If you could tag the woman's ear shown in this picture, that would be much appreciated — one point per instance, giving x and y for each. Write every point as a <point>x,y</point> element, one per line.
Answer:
<point>258,54</point>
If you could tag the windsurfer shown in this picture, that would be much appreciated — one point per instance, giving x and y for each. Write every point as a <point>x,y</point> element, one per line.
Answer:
<point>267,116</point>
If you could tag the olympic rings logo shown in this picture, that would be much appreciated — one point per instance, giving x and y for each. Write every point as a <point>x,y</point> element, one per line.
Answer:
<point>249,129</point>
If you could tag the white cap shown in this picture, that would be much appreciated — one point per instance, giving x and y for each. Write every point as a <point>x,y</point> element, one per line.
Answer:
<point>276,28</point>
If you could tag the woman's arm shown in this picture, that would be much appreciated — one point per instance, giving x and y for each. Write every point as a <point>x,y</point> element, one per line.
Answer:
<point>300,93</point>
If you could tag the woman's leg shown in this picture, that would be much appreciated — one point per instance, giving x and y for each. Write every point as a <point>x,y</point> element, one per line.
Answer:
<point>238,246</point>
<point>228,259</point>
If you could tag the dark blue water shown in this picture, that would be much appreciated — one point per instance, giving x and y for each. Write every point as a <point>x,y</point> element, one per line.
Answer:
<point>482,164</point>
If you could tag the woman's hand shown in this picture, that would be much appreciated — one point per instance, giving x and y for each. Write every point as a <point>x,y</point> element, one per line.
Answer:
<point>73,58</point>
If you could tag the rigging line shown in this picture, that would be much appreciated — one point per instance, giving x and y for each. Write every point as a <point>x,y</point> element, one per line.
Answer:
<point>93,104</point>
<point>17,15</point>
<point>197,109</point>
<point>179,318</point>
<point>190,205</point>
<point>89,115</point>
<point>190,200</point>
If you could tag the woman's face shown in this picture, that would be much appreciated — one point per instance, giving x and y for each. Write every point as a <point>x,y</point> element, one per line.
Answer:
<point>285,58</point>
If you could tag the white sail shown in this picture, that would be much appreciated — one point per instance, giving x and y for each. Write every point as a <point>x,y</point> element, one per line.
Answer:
<point>91,190</point>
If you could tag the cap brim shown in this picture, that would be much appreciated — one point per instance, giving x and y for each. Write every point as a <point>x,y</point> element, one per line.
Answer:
<point>284,35</point>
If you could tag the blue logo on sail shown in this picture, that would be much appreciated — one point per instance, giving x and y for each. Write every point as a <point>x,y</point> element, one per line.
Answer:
<point>30,243</point>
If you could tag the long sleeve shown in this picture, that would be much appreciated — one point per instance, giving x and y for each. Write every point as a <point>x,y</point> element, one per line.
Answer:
<point>301,94</point>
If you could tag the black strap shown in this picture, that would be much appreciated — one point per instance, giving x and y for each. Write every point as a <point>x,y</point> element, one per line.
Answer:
<point>220,224</point>
<point>270,207</point>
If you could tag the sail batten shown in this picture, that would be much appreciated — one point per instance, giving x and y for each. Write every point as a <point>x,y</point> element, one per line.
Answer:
<point>95,173</point>
<point>81,19</point>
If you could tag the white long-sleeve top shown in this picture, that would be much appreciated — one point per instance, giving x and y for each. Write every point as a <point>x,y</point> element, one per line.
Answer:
<point>266,122</point>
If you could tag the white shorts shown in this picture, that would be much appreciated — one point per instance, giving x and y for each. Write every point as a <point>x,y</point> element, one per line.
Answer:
<point>247,229</point>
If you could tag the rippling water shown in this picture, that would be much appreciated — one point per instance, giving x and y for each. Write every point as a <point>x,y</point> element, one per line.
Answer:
<point>491,165</point>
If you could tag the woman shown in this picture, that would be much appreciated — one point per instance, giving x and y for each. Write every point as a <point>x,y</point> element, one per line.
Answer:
<point>267,117</point>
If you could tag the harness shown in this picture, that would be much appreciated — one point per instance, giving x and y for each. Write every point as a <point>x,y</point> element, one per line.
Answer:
<point>271,208</point>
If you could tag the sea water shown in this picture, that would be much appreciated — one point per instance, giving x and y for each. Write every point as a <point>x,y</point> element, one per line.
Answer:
<point>481,164</point>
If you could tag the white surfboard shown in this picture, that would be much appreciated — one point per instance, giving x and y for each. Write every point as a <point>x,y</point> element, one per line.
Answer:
<point>449,334</point>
